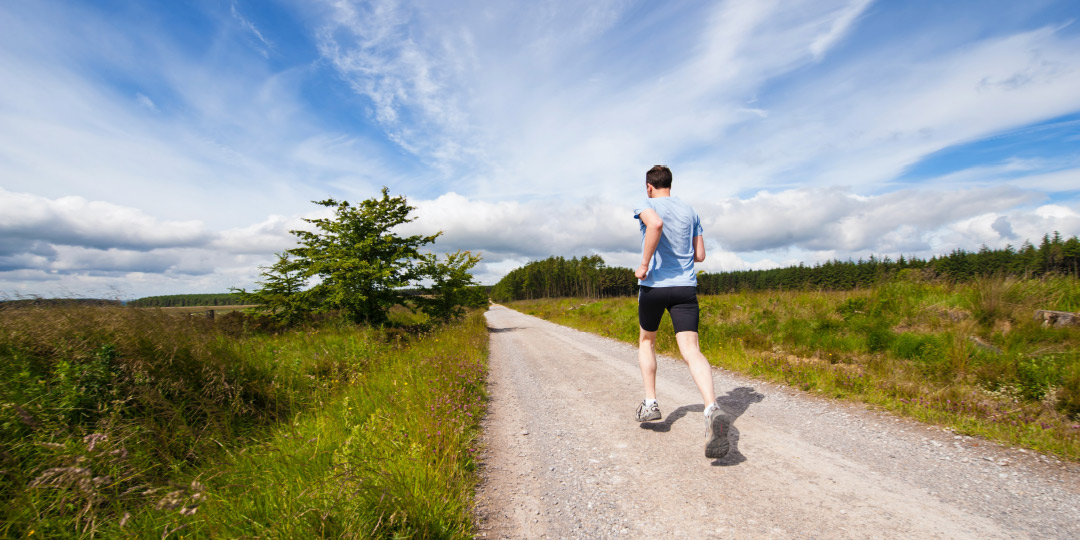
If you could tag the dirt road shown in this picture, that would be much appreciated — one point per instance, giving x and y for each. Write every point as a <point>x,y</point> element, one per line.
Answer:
<point>564,458</point>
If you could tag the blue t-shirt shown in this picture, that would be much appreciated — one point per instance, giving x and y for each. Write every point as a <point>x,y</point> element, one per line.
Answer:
<point>673,263</point>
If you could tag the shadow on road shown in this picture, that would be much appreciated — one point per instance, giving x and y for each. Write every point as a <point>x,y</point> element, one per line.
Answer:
<point>665,426</point>
<point>734,404</point>
<point>501,330</point>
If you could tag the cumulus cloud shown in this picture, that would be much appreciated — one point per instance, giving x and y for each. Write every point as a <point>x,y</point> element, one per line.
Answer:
<point>531,230</point>
<point>1004,229</point>
<point>838,219</point>
<point>269,236</point>
<point>765,230</point>
<point>58,240</point>
<point>75,221</point>
<point>784,227</point>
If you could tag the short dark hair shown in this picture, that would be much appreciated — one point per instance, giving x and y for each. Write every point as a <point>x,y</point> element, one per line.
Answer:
<point>659,177</point>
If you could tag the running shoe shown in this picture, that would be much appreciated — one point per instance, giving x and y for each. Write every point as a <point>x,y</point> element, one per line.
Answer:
<point>648,413</point>
<point>717,425</point>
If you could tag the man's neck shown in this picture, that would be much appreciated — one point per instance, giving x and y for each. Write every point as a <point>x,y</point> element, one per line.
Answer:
<point>656,193</point>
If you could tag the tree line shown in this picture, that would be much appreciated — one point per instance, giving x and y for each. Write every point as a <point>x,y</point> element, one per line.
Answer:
<point>185,300</point>
<point>586,277</point>
<point>589,277</point>
<point>1054,255</point>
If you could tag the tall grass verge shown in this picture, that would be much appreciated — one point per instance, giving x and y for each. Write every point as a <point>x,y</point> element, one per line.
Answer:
<point>391,456</point>
<point>122,422</point>
<point>968,356</point>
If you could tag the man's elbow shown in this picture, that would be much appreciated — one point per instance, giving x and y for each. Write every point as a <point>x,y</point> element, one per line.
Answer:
<point>699,257</point>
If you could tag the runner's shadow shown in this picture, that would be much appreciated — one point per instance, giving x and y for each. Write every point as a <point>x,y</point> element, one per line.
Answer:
<point>501,330</point>
<point>735,404</point>
<point>665,426</point>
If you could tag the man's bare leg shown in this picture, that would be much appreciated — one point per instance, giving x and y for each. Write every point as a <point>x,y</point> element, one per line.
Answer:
<point>700,369</point>
<point>717,422</point>
<point>647,361</point>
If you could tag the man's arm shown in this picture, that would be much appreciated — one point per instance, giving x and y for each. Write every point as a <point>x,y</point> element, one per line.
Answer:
<point>653,227</point>
<point>699,249</point>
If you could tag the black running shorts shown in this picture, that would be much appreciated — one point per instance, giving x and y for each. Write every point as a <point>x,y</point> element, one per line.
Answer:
<point>680,302</point>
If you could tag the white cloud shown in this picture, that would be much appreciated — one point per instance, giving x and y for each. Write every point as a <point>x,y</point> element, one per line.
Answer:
<point>837,219</point>
<point>267,237</point>
<point>864,122</point>
<point>228,141</point>
<point>1066,180</point>
<point>74,221</point>
<point>837,28</point>
<point>768,229</point>
<point>146,102</point>
<point>411,87</point>
<point>263,46</point>
<point>533,230</point>
<point>522,97</point>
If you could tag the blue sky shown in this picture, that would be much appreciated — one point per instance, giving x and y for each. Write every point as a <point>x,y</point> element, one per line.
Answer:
<point>168,147</point>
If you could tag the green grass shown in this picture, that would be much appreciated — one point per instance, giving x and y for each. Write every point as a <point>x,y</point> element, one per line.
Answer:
<point>130,423</point>
<point>970,357</point>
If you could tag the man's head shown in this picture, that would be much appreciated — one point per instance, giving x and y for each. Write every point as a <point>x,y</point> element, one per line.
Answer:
<point>659,177</point>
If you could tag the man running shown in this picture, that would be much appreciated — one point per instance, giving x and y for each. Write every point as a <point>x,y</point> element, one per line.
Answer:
<point>671,243</point>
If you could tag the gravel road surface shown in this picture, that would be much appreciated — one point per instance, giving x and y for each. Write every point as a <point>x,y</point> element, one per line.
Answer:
<point>564,458</point>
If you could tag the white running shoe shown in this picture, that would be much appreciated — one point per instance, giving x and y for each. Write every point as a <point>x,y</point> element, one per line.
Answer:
<point>648,413</point>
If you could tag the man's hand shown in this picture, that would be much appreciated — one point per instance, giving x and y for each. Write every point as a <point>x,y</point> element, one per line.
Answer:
<point>642,271</point>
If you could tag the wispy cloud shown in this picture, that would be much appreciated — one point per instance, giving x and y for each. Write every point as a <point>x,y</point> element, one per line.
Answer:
<point>263,45</point>
<point>409,76</point>
<point>201,135</point>
<point>511,107</point>
<point>837,28</point>
<point>866,121</point>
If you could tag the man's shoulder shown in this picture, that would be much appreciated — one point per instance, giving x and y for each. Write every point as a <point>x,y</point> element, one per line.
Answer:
<point>681,205</point>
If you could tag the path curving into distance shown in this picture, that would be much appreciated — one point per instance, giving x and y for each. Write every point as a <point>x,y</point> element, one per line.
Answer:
<point>564,458</point>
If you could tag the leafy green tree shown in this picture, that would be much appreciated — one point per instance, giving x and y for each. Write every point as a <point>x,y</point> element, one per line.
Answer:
<point>361,267</point>
<point>360,264</point>
<point>280,296</point>
<point>452,288</point>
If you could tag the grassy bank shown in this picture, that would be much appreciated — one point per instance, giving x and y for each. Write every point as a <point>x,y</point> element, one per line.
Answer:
<point>139,423</point>
<point>970,356</point>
